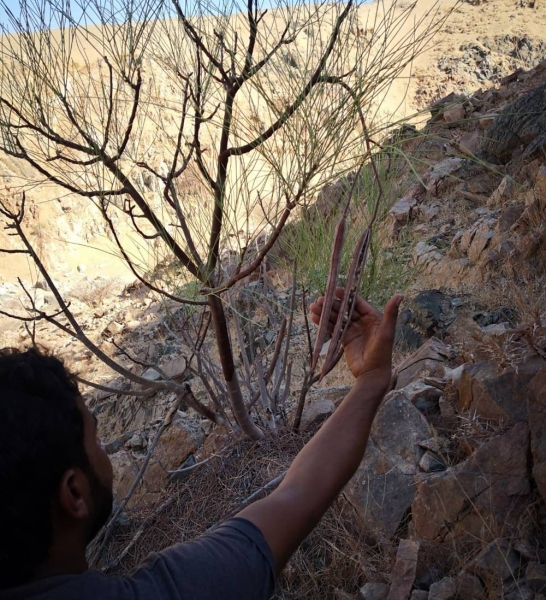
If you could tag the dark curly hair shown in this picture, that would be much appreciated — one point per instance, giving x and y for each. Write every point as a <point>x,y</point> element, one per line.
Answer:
<point>41,436</point>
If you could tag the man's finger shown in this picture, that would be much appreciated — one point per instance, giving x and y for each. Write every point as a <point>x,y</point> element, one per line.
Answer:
<point>387,329</point>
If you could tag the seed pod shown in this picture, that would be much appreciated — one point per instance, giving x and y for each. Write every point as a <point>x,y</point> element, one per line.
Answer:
<point>354,279</point>
<point>335,261</point>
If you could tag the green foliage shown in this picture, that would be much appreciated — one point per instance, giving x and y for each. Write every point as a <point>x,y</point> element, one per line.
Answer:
<point>309,240</point>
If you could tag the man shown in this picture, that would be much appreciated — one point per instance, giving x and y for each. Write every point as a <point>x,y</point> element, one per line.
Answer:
<point>57,486</point>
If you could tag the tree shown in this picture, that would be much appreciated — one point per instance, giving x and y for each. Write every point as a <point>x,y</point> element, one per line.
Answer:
<point>199,127</point>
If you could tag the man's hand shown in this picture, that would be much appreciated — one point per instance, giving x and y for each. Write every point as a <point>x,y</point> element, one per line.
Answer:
<point>369,338</point>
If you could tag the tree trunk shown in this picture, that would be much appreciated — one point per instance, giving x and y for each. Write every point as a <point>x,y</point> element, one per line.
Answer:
<point>228,368</point>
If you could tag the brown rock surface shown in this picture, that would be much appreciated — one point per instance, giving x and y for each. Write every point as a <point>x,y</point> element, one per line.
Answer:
<point>383,486</point>
<point>496,394</point>
<point>403,574</point>
<point>479,497</point>
<point>497,560</point>
<point>431,360</point>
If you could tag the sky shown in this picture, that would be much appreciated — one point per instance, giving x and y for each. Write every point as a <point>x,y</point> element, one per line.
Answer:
<point>85,12</point>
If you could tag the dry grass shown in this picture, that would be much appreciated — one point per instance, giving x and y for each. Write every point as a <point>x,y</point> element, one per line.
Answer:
<point>336,556</point>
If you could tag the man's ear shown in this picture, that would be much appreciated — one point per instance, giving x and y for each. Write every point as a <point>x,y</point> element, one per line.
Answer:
<point>74,496</point>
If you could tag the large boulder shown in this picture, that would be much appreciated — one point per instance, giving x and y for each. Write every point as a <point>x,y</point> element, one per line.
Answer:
<point>431,360</point>
<point>383,487</point>
<point>479,498</point>
<point>427,314</point>
<point>495,394</point>
<point>519,125</point>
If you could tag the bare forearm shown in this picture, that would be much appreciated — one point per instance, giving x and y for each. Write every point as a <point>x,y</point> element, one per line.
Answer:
<point>328,461</point>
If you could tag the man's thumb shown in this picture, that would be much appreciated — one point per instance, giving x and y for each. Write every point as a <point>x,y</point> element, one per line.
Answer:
<point>390,315</point>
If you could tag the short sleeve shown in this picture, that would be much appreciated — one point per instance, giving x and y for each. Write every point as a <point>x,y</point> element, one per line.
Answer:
<point>233,562</point>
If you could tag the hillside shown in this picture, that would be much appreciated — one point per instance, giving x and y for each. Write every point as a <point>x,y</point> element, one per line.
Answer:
<point>450,499</point>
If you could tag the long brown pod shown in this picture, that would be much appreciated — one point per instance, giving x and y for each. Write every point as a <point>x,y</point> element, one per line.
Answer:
<point>354,280</point>
<point>335,261</point>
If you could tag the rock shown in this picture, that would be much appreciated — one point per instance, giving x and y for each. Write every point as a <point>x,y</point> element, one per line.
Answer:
<point>180,440</point>
<point>482,235</point>
<point>497,561</point>
<point>383,487</point>
<point>537,427</point>
<point>450,271</point>
<point>426,254</point>
<point>125,470</point>
<point>439,107</point>
<point>526,549</point>
<point>431,463</point>
<point>445,589</point>
<point>399,428</point>
<point>519,590</point>
<point>478,498</point>
<point>401,214</point>
<point>499,315</point>
<point>403,574</point>
<point>517,126</point>
<point>454,114</point>
<point>115,445</point>
<point>439,171</point>
<point>112,328</point>
<point>447,409</point>
<point>495,395</point>
<point>151,374</point>
<point>469,587</point>
<point>374,591</point>
<point>424,397</point>
<point>431,360</point>
<point>316,412</point>
<point>535,576</point>
<point>136,442</point>
<point>334,394</point>
<point>505,191</point>
<point>174,367</point>
<point>41,284</point>
<point>430,312</point>
<point>485,120</point>
<point>469,143</point>
<point>419,595</point>
<point>132,325</point>
<point>329,197</point>
<point>463,331</point>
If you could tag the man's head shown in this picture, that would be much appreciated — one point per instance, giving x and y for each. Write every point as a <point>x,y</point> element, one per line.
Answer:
<point>56,488</point>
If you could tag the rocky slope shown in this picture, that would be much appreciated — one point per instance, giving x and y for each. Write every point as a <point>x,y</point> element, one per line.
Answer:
<point>451,496</point>
<point>452,492</point>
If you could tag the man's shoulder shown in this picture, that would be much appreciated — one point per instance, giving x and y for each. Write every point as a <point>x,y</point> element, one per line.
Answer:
<point>232,561</point>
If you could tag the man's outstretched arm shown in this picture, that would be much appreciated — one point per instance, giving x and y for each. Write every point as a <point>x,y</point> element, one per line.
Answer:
<point>331,457</point>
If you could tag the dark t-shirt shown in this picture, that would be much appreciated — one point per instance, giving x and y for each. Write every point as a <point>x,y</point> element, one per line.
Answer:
<point>233,562</point>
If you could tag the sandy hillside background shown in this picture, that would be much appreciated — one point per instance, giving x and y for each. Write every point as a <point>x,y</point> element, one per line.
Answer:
<point>478,44</point>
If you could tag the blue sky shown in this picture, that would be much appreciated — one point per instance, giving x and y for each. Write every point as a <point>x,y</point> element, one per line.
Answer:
<point>40,10</point>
